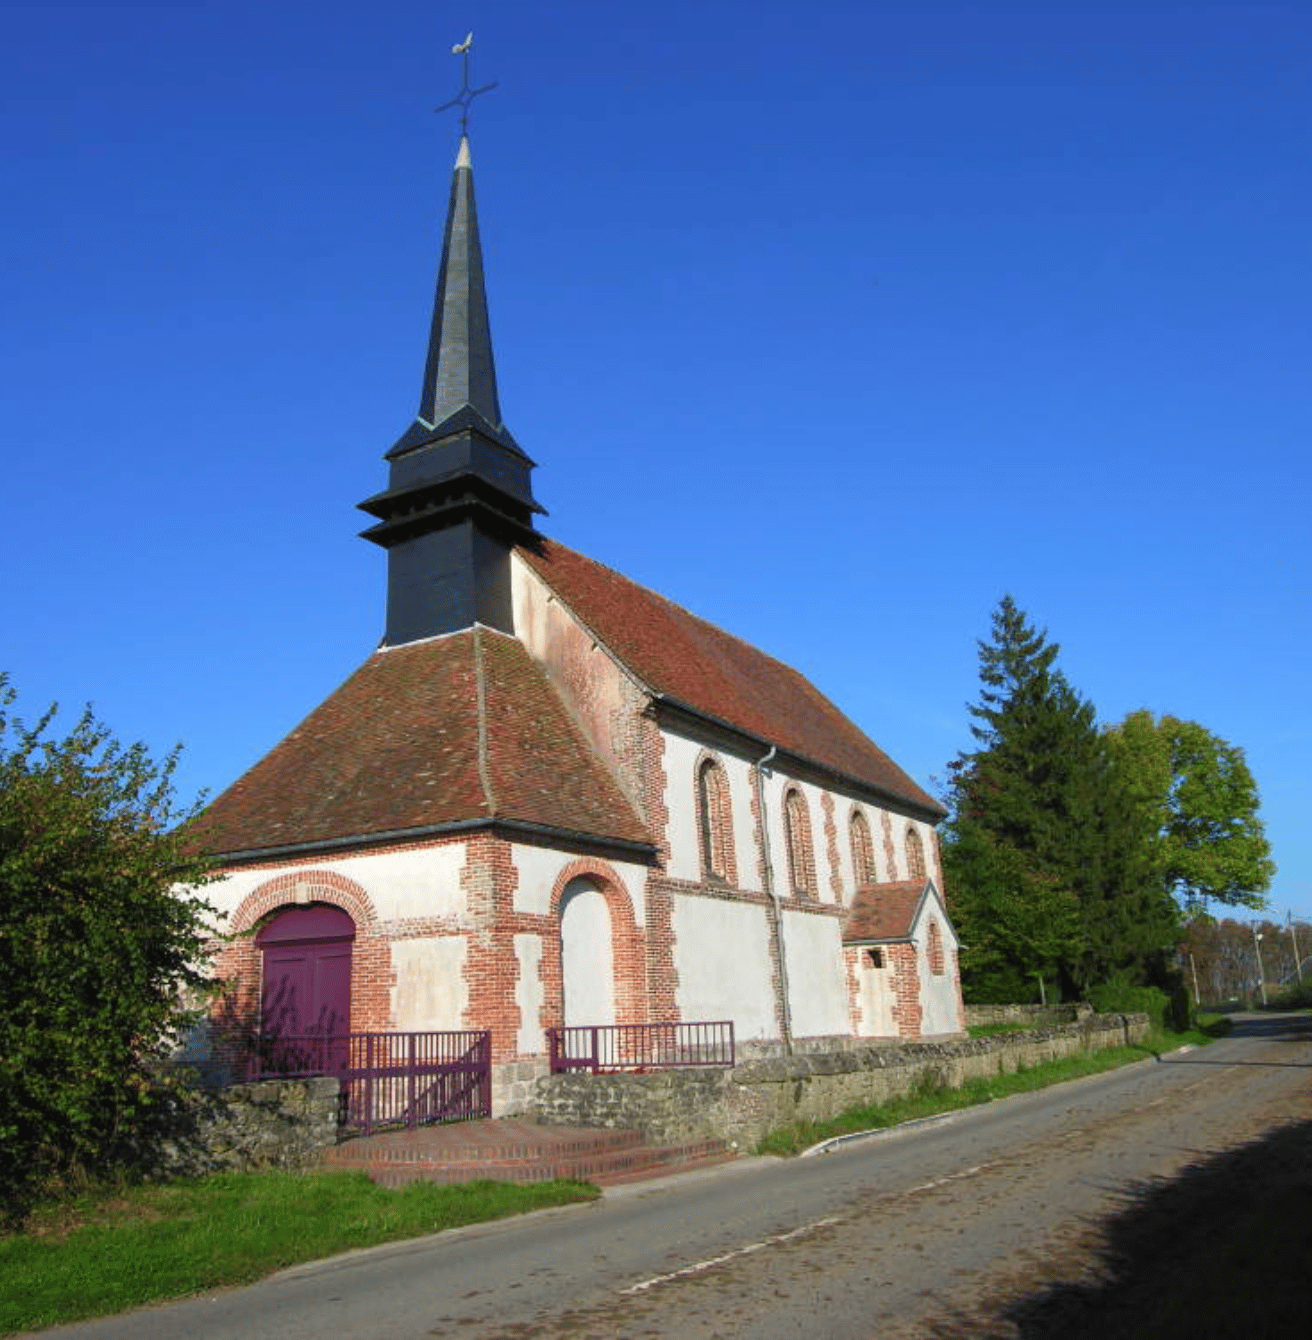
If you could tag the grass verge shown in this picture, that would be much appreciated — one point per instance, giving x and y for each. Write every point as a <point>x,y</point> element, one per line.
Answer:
<point>106,1252</point>
<point>932,1097</point>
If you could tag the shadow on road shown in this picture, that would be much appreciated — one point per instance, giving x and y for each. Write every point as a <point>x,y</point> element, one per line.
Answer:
<point>1222,1250</point>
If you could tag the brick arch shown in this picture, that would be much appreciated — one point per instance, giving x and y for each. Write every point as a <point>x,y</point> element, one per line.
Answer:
<point>239,962</point>
<point>305,886</point>
<point>627,939</point>
<point>712,798</point>
<point>861,839</point>
<point>799,844</point>
<point>914,846</point>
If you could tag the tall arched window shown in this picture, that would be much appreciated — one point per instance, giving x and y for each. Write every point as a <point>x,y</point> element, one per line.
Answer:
<point>715,821</point>
<point>797,832</point>
<point>863,850</point>
<point>915,854</point>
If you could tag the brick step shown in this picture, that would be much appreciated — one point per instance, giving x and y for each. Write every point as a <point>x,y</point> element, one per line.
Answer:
<point>605,1169</point>
<point>519,1152</point>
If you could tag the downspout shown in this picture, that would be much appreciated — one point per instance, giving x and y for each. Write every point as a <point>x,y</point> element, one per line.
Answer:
<point>785,1013</point>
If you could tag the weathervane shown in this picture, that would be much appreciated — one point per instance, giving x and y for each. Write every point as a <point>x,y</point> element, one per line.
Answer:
<point>466,94</point>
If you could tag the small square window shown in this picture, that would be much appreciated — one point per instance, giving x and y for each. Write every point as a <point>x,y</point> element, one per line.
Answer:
<point>874,958</point>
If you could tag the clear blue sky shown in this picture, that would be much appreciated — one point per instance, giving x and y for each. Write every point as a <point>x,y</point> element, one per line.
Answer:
<point>832,322</point>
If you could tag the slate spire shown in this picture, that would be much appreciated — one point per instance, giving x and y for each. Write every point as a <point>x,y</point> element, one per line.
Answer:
<point>458,496</point>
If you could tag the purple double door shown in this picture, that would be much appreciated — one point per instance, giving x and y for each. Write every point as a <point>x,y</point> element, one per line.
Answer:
<point>307,978</point>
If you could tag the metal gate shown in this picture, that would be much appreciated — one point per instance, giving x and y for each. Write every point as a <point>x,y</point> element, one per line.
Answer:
<point>390,1079</point>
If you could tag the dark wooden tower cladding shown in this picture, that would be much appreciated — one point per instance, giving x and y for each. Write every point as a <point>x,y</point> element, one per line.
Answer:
<point>458,497</point>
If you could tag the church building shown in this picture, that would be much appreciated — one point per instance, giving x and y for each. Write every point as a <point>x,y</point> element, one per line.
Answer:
<point>551,797</point>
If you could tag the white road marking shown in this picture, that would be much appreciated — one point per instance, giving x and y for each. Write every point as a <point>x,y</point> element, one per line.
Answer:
<point>710,1264</point>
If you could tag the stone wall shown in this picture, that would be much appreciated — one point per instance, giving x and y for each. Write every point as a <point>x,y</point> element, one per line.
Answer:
<point>245,1127</point>
<point>743,1104</point>
<point>1026,1014</point>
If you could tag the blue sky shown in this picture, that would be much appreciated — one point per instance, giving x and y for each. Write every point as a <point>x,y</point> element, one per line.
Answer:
<point>832,323</point>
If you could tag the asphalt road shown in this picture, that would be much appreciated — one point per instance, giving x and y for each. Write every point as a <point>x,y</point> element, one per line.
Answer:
<point>933,1230</point>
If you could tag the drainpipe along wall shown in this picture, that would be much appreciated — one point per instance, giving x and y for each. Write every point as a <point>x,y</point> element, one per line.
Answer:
<point>785,1010</point>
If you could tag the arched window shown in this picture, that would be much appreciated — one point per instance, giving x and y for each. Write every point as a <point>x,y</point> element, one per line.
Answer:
<point>915,854</point>
<point>797,832</point>
<point>715,821</point>
<point>863,850</point>
<point>934,949</point>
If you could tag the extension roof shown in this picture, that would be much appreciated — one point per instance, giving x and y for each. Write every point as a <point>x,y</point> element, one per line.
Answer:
<point>695,665</point>
<point>883,913</point>
<point>455,731</point>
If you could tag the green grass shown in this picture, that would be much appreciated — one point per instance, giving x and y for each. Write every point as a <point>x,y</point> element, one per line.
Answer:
<point>108,1251</point>
<point>932,1097</point>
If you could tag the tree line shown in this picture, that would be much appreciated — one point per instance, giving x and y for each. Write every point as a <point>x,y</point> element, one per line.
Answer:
<point>1074,851</point>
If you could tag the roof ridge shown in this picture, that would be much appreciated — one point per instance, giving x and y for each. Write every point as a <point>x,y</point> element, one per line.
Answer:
<point>480,695</point>
<point>792,670</point>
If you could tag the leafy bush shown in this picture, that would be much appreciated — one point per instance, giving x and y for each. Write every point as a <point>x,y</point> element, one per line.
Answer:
<point>101,938</point>
<point>1118,996</point>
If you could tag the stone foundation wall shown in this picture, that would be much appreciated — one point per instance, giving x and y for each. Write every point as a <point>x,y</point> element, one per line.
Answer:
<point>743,1104</point>
<point>514,1086</point>
<point>246,1127</point>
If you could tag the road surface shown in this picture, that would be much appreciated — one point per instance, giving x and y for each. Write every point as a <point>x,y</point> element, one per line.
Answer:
<point>1004,1220</point>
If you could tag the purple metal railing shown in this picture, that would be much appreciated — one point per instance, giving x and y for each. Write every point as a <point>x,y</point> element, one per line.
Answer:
<point>640,1046</point>
<point>390,1079</point>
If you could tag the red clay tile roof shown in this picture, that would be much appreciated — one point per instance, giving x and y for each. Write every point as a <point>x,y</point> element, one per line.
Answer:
<point>699,665</point>
<point>397,748</point>
<point>884,911</point>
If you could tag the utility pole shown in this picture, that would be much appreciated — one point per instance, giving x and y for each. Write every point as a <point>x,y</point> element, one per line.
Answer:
<point>1298,962</point>
<point>1257,952</point>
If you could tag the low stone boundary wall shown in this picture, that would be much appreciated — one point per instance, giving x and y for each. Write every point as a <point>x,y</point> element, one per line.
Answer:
<point>282,1123</point>
<point>1027,1014</point>
<point>743,1104</point>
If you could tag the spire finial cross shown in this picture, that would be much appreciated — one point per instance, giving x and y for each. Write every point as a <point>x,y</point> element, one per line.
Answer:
<point>466,94</point>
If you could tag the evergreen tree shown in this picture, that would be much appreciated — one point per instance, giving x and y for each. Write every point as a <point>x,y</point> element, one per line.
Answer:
<point>1047,857</point>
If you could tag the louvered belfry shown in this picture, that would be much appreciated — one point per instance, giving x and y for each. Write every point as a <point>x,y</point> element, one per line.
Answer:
<point>459,496</point>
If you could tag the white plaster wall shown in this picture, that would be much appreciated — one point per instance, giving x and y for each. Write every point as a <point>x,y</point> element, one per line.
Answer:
<point>742,783</point>
<point>538,869</point>
<point>875,1000</point>
<point>585,955</point>
<point>424,882</point>
<point>775,786</point>
<point>430,991</point>
<point>681,804</point>
<point>681,755</point>
<point>528,994</point>
<point>939,999</point>
<point>722,957</point>
<point>817,986</point>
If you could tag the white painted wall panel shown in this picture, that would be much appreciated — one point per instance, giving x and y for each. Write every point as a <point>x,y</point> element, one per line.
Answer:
<point>680,803</point>
<point>528,994</point>
<point>722,956</point>
<point>430,991</point>
<point>586,957</point>
<point>817,987</point>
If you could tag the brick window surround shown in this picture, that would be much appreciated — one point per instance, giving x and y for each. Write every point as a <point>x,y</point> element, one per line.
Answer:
<point>715,821</point>
<point>863,850</point>
<point>915,854</point>
<point>801,852</point>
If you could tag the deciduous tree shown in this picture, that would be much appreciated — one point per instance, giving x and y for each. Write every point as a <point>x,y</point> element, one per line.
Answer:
<point>1202,803</point>
<point>101,937</point>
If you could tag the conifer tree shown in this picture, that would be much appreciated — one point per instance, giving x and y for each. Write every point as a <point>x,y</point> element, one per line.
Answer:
<point>1047,857</point>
